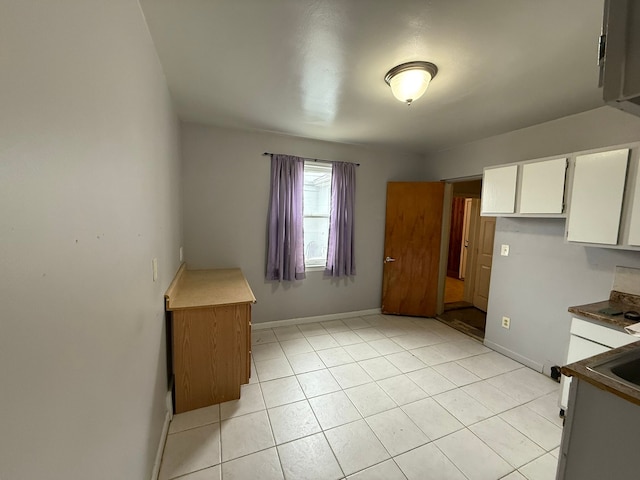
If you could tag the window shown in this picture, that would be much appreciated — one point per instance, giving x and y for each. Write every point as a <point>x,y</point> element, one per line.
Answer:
<point>316,208</point>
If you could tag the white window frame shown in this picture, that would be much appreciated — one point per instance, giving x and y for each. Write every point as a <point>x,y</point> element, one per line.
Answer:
<point>317,167</point>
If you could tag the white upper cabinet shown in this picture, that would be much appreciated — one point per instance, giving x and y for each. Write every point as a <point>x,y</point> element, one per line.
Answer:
<point>499,190</point>
<point>525,189</point>
<point>542,188</point>
<point>596,197</point>
<point>634,222</point>
<point>598,193</point>
<point>620,55</point>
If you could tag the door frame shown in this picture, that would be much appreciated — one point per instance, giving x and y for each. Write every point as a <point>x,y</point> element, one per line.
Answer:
<point>444,243</point>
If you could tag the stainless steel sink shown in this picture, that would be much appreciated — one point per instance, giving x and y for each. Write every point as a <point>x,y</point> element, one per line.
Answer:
<point>624,367</point>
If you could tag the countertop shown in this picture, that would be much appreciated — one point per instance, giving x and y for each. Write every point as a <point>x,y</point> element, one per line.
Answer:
<point>617,300</point>
<point>580,370</point>
<point>620,301</point>
<point>207,288</point>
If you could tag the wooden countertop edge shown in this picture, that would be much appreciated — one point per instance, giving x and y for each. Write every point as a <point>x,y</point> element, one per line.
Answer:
<point>581,371</point>
<point>174,289</point>
<point>246,282</point>
<point>207,305</point>
<point>174,284</point>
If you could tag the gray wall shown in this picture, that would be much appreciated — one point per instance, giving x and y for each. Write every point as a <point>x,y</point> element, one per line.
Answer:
<point>89,162</point>
<point>226,190</point>
<point>542,276</point>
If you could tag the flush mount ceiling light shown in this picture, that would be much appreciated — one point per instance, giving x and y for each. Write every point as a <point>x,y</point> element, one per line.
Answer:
<point>410,80</point>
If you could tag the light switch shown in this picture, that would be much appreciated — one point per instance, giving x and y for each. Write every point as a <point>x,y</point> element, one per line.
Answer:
<point>504,250</point>
<point>181,254</point>
<point>154,263</point>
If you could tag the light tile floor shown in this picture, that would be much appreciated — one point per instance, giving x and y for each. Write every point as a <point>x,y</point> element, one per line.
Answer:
<point>376,397</point>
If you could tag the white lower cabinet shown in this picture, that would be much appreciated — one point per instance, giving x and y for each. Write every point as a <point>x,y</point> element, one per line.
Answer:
<point>588,339</point>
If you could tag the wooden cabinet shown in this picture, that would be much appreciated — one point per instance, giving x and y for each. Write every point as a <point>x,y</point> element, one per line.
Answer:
<point>534,189</point>
<point>211,336</point>
<point>596,197</point>
<point>499,190</point>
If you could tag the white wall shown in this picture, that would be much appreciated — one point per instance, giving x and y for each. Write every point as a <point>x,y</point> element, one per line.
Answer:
<point>89,162</point>
<point>542,276</point>
<point>226,192</point>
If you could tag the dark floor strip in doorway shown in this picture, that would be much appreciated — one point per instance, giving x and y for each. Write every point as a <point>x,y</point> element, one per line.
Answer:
<point>467,319</point>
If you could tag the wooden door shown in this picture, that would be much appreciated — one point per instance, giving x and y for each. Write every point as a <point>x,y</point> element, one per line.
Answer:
<point>484,261</point>
<point>412,248</point>
<point>472,251</point>
<point>464,247</point>
<point>455,237</point>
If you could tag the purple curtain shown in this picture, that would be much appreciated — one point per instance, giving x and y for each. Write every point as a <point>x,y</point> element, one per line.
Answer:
<point>285,249</point>
<point>340,258</point>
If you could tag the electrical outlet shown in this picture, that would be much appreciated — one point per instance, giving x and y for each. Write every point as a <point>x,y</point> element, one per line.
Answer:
<point>181,254</point>
<point>154,264</point>
<point>506,322</point>
<point>504,250</point>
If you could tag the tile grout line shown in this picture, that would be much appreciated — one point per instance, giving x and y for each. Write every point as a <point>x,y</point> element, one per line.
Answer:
<point>322,430</point>
<point>401,373</point>
<point>275,445</point>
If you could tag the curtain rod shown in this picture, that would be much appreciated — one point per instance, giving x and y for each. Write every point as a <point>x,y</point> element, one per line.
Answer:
<point>314,159</point>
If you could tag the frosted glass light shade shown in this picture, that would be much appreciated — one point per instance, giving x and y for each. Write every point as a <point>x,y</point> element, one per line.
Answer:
<point>409,81</point>
<point>410,85</point>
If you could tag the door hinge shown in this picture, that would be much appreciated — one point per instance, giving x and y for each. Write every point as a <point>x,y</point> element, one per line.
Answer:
<point>602,48</point>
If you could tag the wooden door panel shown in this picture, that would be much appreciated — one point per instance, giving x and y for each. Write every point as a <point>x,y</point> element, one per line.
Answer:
<point>412,239</point>
<point>464,246</point>
<point>485,260</point>
<point>472,251</point>
<point>486,238</point>
<point>483,281</point>
<point>456,237</point>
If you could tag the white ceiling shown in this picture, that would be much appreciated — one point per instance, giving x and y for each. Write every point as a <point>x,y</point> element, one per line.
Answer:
<point>315,68</point>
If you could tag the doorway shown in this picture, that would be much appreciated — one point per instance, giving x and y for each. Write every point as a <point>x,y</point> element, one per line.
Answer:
<point>469,257</point>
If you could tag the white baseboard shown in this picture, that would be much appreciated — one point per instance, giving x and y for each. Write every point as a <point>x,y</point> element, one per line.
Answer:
<point>163,437</point>
<point>319,318</point>
<point>515,356</point>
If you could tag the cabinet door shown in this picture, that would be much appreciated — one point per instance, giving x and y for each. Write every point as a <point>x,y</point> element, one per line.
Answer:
<point>499,190</point>
<point>634,223</point>
<point>621,76</point>
<point>542,189</point>
<point>579,349</point>
<point>596,197</point>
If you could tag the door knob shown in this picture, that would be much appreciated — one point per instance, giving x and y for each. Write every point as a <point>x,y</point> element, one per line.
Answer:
<point>389,259</point>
